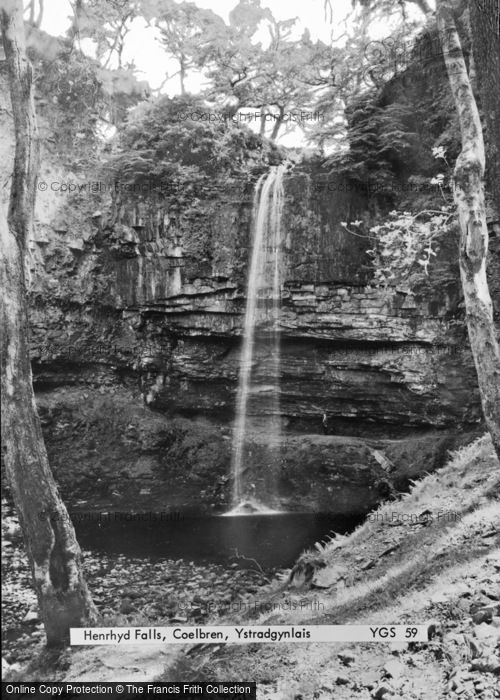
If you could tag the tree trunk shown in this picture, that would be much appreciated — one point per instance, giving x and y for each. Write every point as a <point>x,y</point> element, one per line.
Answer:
<point>182,74</point>
<point>38,21</point>
<point>278,123</point>
<point>469,198</point>
<point>53,551</point>
<point>263,114</point>
<point>485,29</point>
<point>424,6</point>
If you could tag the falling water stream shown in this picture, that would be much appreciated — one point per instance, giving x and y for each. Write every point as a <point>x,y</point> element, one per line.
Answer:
<point>263,303</point>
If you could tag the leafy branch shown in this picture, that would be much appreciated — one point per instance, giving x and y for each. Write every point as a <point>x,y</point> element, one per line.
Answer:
<point>405,240</point>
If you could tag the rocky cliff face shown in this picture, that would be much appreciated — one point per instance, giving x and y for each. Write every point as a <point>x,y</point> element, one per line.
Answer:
<point>150,306</point>
<point>136,310</point>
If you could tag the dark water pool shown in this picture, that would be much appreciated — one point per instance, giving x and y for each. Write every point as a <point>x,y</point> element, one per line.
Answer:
<point>274,541</point>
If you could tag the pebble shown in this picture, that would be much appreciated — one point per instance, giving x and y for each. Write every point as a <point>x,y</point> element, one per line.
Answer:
<point>129,593</point>
<point>342,680</point>
<point>394,668</point>
<point>382,693</point>
<point>434,629</point>
<point>126,607</point>
<point>31,616</point>
<point>476,606</point>
<point>346,658</point>
<point>489,665</point>
<point>483,615</point>
<point>483,631</point>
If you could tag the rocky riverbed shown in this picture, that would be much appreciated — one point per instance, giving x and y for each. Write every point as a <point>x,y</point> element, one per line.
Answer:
<point>126,591</point>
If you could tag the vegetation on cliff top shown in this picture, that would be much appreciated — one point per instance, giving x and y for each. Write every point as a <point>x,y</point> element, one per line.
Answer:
<point>171,146</point>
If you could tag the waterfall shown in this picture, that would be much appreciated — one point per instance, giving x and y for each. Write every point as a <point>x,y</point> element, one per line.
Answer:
<point>263,303</point>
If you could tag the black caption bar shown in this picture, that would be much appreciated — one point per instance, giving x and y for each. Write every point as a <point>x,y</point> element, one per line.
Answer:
<point>227,690</point>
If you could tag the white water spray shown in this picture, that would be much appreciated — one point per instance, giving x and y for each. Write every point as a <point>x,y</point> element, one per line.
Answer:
<point>262,312</point>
